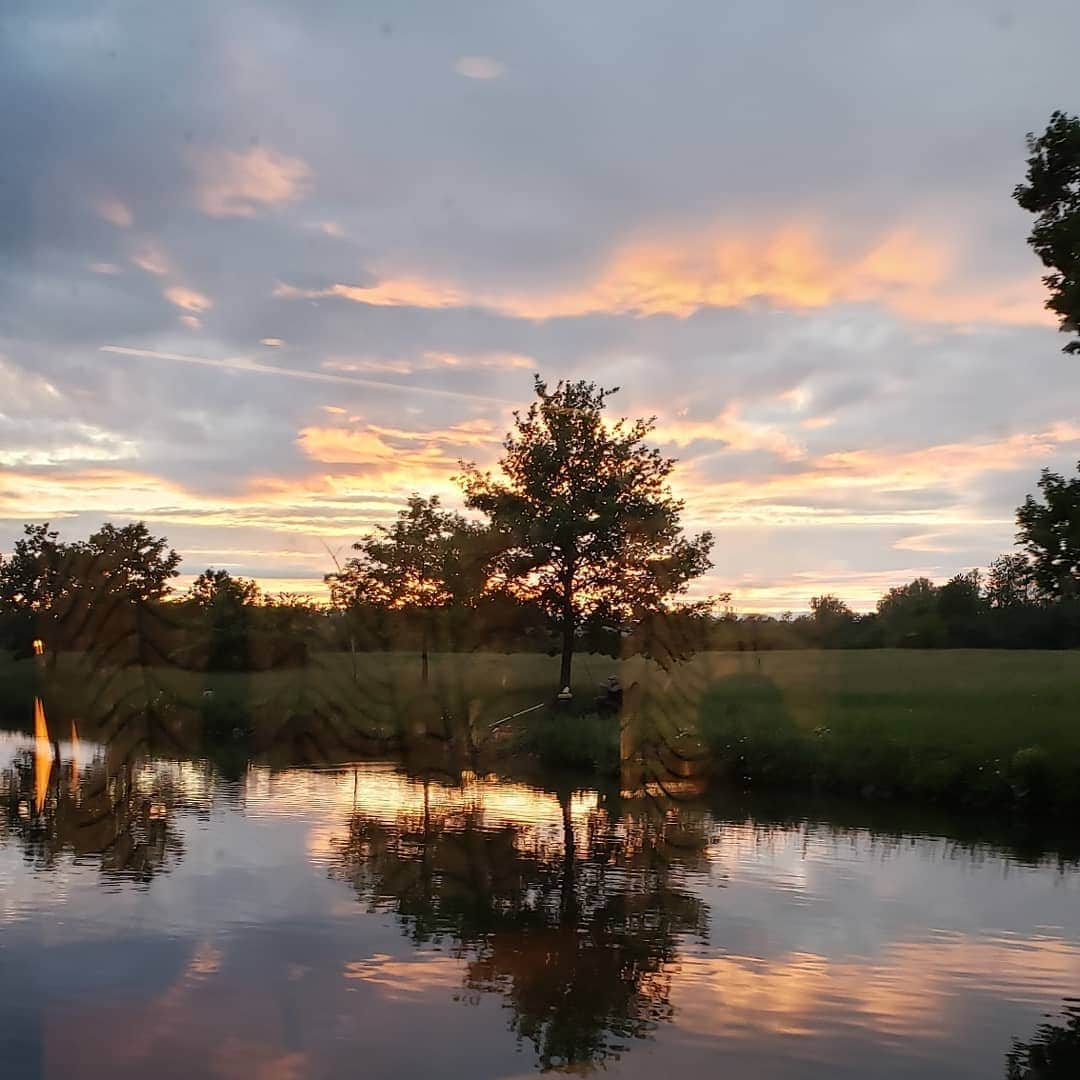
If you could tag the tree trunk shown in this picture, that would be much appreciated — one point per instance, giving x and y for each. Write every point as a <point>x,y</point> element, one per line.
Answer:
<point>567,646</point>
<point>424,637</point>
<point>568,890</point>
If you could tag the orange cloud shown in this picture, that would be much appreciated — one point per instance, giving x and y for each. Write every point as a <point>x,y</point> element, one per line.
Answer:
<point>390,292</point>
<point>912,275</point>
<point>843,477</point>
<point>237,184</point>
<point>733,432</point>
<point>908,989</point>
<point>151,258</point>
<point>479,360</point>
<point>188,299</point>
<point>480,67</point>
<point>394,460</point>
<point>401,979</point>
<point>320,505</point>
<point>365,366</point>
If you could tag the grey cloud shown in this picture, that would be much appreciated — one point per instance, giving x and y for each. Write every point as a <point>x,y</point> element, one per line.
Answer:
<point>611,122</point>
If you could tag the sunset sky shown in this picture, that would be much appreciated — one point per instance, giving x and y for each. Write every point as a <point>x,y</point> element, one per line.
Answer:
<point>267,268</point>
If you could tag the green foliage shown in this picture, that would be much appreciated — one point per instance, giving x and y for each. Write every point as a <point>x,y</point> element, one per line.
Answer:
<point>1049,530</point>
<point>133,561</point>
<point>563,739</point>
<point>38,571</point>
<point>586,523</point>
<point>751,736</point>
<point>1009,581</point>
<point>225,602</point>
<point>969,729</point>
<point>909,616</point>
<point>218,589</point>
<point>831,622</point>
<point>66,592</point>
<point>1053,194</point>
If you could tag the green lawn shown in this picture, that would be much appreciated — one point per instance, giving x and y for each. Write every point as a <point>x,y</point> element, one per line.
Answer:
<point>957,726</point>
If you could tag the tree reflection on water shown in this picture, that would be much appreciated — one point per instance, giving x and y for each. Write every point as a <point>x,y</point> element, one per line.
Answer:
<point>578,928</point>
<point>1053,1053</point>
<point>111,805</point>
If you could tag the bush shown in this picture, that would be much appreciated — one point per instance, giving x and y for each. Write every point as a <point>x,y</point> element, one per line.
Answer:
<point>571,740</point>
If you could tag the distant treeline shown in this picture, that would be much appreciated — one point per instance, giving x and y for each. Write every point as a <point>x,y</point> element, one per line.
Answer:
<point>116,585</point>
<point>576,545</point>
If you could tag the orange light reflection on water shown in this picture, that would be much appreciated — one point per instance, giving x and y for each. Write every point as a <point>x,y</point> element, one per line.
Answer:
<point>43,755</point>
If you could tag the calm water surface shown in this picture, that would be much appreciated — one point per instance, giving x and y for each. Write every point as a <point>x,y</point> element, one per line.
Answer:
<point>162,918</point>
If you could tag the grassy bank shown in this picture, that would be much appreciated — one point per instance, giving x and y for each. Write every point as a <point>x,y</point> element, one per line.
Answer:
<point>973,728</point>
<point>958,728</point>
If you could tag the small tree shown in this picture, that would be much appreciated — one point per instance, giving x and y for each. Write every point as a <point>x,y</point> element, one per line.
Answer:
<point>1009,581</point>
<point>1053,193</point>
<point>226,603</point>
<point>420,564</point>
<point>909,615</point>
<point>1049,531</point>
<point>960,606</point>
<point>831,619</point>
<point>133,561</point>
<point>584,515</point>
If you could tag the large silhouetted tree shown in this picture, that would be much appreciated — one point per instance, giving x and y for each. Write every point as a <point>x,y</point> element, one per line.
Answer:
<point>1049,531</point>
<point>1053,194</point>
<point>585,514</point>
<point>68,591</point>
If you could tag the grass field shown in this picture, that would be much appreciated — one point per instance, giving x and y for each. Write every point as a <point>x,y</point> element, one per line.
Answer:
<point>972,727</point>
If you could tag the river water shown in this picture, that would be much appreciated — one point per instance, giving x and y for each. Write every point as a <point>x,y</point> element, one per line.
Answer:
<point>175,918</point>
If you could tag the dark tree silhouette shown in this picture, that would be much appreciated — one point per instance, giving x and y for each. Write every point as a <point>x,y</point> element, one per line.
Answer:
<point>226,603</point>
<point>1053,194</point>
<point>585,514</point>
<point>1053,1052</point>
<point>1049,531</point>
<point>1009,582</point>
<point>578,935</point>
<point>909,615</point>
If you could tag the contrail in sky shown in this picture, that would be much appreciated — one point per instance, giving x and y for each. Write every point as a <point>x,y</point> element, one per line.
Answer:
<point>242,364</point>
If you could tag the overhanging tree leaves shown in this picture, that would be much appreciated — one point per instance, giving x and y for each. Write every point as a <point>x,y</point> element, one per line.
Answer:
<point>1049,531</point>
<point>1053,193</point>
<point>583,513</point>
